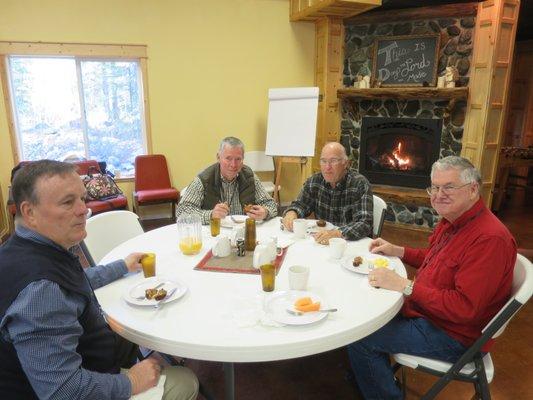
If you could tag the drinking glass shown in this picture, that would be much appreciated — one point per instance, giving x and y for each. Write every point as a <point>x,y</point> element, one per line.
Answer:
<point>190,234</point>
<point>148,264</point>
<point>214,224</point>
<point>268,277</point>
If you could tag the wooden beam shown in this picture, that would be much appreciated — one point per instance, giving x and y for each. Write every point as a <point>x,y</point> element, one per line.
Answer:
<point>405,93</point>
<point>430,12</point>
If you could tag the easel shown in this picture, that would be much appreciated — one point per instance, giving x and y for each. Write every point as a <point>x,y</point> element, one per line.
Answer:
<point>287,160</point>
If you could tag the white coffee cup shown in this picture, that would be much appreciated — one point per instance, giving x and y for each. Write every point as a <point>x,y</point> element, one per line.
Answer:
<point>299,227</point>
<point>336,247</point>
<point>222,248</point>
<point>298,277</point>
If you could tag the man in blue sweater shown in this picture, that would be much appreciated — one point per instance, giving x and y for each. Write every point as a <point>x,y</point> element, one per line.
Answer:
<point>54,340</point>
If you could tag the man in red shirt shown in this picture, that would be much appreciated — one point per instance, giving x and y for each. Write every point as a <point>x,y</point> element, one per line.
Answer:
<point>464,277</point>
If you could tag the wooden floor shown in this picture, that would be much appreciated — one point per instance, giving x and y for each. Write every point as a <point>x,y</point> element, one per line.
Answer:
<point>322,377</point>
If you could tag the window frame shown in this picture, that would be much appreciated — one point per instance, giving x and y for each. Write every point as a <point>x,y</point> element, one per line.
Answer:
<point>81,52</point>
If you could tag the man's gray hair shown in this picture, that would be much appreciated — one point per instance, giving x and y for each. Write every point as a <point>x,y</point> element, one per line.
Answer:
<point>26,178</point>
<point>468,173</point>
<point>231,141</point>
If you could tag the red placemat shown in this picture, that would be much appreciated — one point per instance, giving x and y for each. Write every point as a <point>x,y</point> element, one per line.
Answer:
<point>234,263</point>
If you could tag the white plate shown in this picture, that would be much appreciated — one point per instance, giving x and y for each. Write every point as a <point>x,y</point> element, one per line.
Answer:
<point>312,227</point>
<point>139,289</point>
<point>227,222</point>
<point>347,262</point>
<point>276,308</point>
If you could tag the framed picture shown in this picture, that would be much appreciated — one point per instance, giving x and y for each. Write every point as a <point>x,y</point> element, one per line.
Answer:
<point>409,60</point>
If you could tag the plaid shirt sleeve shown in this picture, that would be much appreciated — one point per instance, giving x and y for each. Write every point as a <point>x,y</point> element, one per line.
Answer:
<point>262,198</point>
<point>191,202</point>
<point>362,211</point>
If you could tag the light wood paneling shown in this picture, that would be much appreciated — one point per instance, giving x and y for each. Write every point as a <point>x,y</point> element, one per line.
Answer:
<point>493,51</point>
<point>328,75</point>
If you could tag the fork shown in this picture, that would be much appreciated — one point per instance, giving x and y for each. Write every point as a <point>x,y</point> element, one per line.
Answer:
<point>159,303</point>
<point>326,310</point>
<point>142,297</point>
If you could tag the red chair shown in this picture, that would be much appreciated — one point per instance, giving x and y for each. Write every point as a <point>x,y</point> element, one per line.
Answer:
<point>152,183</point>
<point>99,206</point>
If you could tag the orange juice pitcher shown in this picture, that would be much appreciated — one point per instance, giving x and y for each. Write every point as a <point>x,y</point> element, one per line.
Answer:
<point>190,234</point>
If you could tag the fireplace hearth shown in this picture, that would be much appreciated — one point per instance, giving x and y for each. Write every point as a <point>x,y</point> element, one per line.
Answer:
<point>399,151</point>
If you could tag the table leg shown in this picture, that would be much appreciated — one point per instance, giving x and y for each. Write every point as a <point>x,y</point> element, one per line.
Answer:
<point>229,381</point>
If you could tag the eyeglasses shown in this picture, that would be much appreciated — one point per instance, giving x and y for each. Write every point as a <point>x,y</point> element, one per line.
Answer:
<point>331,161</point>
<point>446,189</point>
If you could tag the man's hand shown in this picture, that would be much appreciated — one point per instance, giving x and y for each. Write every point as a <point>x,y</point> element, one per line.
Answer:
<point>387,279</point>
<point>383,247</point>
<point>258,213</point>
<point>144,375</point>
<point>133,261</point>
<point>287,220</point>
<point>323,237</point>
<point>220,210</point>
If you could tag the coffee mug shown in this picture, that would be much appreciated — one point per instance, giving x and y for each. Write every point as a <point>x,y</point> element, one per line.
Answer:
<point>336,247</point>
<point>222,248</point>
<point>298,277</point>
<point>299,227</point>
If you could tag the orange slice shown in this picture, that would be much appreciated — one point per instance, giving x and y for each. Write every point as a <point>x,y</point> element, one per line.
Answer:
<point>303,301</point>
<point>309,307</point>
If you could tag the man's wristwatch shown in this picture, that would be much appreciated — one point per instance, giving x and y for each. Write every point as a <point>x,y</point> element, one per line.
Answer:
<point>408,290</point>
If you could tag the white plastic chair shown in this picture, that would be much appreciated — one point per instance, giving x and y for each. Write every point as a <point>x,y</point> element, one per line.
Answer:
<point>258,161</point>
<point>107,230</point>
<point>379,215</point>
<point>473,366</point>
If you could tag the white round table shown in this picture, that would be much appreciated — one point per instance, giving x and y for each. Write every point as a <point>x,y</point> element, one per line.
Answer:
<point>214,320</point>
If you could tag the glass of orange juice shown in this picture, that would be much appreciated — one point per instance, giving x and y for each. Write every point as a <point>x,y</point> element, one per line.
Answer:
<point>148,264</point>
<point>190,234</point>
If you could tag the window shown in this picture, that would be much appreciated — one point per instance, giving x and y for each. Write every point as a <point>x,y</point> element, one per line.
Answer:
<point>70,107</point>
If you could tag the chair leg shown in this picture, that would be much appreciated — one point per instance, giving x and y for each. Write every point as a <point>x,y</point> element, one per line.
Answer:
<point>173,216</point>
<point>404,383</point>
<point>482,385</point>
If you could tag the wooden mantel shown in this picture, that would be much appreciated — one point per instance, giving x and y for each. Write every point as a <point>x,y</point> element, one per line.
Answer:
<point>405,93</point>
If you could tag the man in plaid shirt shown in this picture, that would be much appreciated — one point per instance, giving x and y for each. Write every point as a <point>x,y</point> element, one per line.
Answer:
<point>338,195</point>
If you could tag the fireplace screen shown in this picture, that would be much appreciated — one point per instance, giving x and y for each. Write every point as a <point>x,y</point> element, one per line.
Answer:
<point>399,151</point>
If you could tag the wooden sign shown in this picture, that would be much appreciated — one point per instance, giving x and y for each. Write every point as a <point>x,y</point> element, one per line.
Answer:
<point>406,60</point>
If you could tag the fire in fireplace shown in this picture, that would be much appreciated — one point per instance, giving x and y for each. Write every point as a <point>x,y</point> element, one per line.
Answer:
<point>399,151</point>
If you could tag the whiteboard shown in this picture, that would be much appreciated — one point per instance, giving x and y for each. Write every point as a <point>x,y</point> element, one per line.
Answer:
<point>291,129</point>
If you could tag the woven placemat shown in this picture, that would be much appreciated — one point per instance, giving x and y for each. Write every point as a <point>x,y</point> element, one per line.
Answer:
<point>234,263</point>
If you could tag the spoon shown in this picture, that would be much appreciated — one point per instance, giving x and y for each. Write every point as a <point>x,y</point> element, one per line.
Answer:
<point>294,312</point>
<point>142,297</point>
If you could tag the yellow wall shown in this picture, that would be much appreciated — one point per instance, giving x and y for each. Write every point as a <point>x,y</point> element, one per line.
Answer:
<point>210,65</point>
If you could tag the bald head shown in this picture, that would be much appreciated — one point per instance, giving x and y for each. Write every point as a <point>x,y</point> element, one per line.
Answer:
<point>333,162</point>
<point>336,149</point>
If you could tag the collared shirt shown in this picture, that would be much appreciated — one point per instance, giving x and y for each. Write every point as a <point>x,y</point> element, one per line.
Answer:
<point>191,202</point>
<point>465,275</point>
<point>349,205</point>
<point>42,325</point>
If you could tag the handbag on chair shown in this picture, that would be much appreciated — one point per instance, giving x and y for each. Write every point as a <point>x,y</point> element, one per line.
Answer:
<point>100,186</point>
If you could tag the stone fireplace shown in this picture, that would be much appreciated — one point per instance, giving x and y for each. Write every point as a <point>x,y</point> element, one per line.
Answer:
<point>399,151</point>
<point>394,138</point>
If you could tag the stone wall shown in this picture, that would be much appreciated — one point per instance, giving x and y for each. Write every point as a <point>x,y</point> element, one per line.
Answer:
<point>455,50</point>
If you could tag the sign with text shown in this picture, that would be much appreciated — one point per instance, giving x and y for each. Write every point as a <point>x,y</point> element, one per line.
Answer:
<point>406,60</point>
